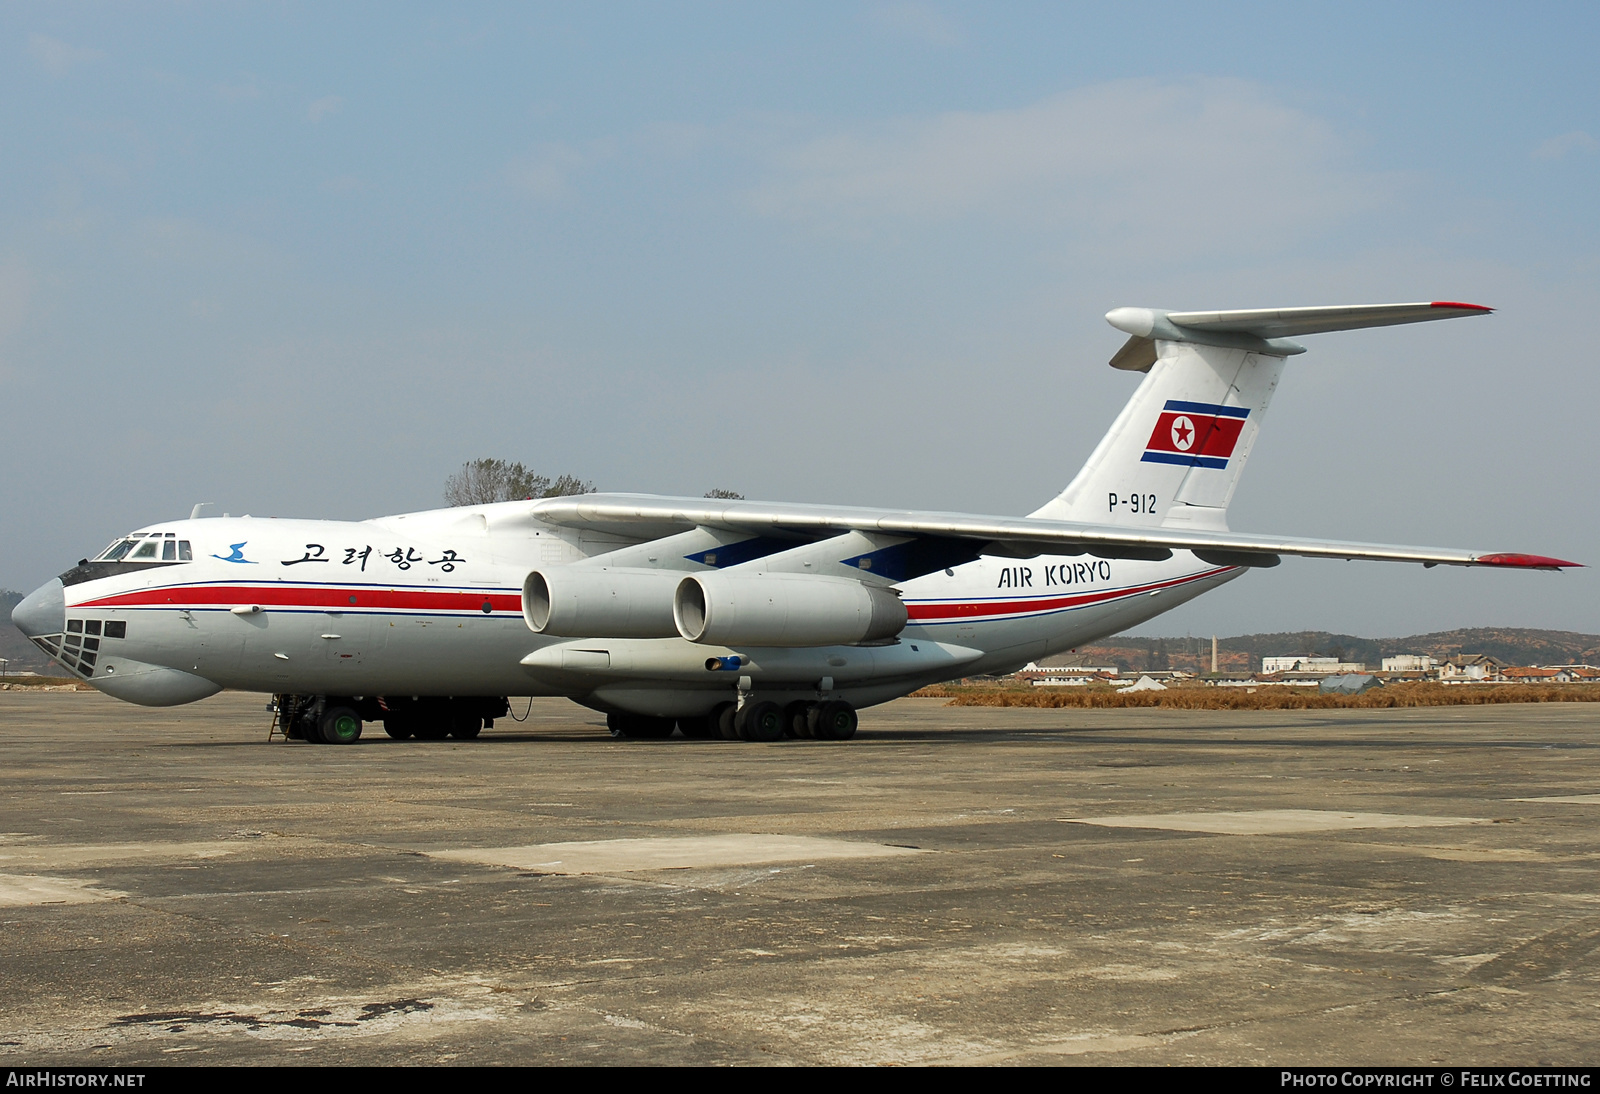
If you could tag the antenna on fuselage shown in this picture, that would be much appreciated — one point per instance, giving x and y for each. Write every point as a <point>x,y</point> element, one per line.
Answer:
<point>194,514</point>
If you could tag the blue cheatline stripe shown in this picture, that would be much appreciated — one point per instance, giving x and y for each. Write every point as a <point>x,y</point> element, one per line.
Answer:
<point>1208,408</point>
<point>1185,461</point>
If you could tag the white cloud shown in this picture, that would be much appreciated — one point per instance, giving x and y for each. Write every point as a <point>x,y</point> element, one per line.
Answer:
<point>187,243</point>
<point>1558,148</point>
<point>345,184</point>
<point>546,173</point>
<point>57,57</point>
<point>919,21</point>
<point>320,109</point>
<point>1141,161</point>
<point>16,294</point>
<point>16,291</point>
<point>246,89</point>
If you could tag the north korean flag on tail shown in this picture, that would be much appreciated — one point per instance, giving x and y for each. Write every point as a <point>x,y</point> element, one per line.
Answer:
<point>1195,434</point>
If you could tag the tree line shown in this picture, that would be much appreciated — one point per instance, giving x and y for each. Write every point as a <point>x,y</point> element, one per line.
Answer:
<point>483,482</point>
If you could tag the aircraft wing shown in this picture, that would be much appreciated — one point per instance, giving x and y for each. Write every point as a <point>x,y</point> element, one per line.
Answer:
<point>644,516</point>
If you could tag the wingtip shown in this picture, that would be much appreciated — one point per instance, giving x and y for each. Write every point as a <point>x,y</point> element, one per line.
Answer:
<point>1526,562</point>
<point>1484,308</point>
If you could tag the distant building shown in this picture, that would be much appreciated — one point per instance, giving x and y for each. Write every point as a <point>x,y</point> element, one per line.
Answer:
<point>1066,675</point>
<point>1083,668</point>
<point>1409,662</point>
<point>1470,668</point>
<point>1531,675</point>
<point>1310,664</point>
<point>1349,684</point>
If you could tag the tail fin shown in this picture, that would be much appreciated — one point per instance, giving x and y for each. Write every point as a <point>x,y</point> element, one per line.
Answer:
<point>1174,454</point>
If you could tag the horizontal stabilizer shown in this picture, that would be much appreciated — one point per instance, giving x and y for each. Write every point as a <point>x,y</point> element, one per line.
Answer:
<point>1291,322</point>
<point>1264,330</point>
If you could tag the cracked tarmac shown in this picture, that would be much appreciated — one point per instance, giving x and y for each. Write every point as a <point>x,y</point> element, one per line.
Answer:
<point>956,885</point>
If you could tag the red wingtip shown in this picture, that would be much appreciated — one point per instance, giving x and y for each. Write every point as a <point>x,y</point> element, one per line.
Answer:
<point>1458,304</point>
<point>1526,562</point>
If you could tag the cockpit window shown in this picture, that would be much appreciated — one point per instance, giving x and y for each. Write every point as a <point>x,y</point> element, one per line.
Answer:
<point>147,547</point>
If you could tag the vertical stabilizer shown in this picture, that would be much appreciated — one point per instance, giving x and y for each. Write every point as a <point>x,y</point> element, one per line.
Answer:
<point>1174,454</point>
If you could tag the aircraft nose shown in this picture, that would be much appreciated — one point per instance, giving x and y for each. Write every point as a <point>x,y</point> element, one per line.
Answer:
<point>43,611</point>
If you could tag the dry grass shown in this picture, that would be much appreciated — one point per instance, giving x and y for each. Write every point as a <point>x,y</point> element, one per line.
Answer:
<point>1263,698</point>
<point>30,683</point>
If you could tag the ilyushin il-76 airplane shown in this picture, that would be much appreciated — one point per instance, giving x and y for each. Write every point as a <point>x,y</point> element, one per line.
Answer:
<point>716,618</point>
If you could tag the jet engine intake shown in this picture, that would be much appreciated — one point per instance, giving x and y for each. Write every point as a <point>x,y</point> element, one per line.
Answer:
<point>603,602</point>
<point>777,609</point>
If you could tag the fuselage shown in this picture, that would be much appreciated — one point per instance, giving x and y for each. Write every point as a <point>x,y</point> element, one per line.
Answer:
<point>430,604</point>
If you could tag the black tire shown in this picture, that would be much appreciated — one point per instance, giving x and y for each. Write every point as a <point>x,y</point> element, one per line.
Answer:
<point>833,721</point>
<point>397,727</point>
<point>296,722</point>
<point>465,727</point>
<point>340,726</point>
<point>431,727</point>
<point>703,728</point>
<point>724,716</point>
<point>761,722</point>
<point>653,729</point>
<point>640,727</point>
<point>796,720</point>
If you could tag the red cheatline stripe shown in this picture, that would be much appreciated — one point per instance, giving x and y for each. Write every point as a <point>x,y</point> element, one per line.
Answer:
<point>1456,304</point>
<point>935,610</point>
<point>297,596</point>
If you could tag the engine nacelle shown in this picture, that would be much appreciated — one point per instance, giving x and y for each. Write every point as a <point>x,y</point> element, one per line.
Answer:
<point>775,609</point>
<point>603,602</point>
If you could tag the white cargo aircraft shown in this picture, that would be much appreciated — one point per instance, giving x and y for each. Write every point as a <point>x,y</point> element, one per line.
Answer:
<point>719,618</point>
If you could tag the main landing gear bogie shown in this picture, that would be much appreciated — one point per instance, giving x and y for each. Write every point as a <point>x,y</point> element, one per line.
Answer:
<point>328,719</point>
<point>756,720</point>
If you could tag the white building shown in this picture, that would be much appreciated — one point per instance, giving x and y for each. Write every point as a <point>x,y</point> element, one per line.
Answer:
<point>1409,662</point>
<point>1470,668</point>
<point>1310,664</point>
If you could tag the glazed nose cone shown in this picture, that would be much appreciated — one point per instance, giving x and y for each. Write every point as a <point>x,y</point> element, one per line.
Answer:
<point>43,611</point>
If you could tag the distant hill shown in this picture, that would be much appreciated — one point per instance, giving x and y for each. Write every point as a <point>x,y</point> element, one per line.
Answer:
<point>1243,652</point>
<point>23,655</point>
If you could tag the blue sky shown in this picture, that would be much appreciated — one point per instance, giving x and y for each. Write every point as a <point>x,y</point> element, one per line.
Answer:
<point>306,260</point>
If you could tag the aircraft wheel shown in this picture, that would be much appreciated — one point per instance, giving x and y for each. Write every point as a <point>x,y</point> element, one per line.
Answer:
<point>340,726</point>
<point>703,728</point>
<point>796,720</point>
<point>761,722</point>
<point>640,726</point>
<point>833,721</point>
<point>398,728</point>
<point>653,729</point>
<point>723,717</point>
<point>431,727</point>
<point>464,727</point>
